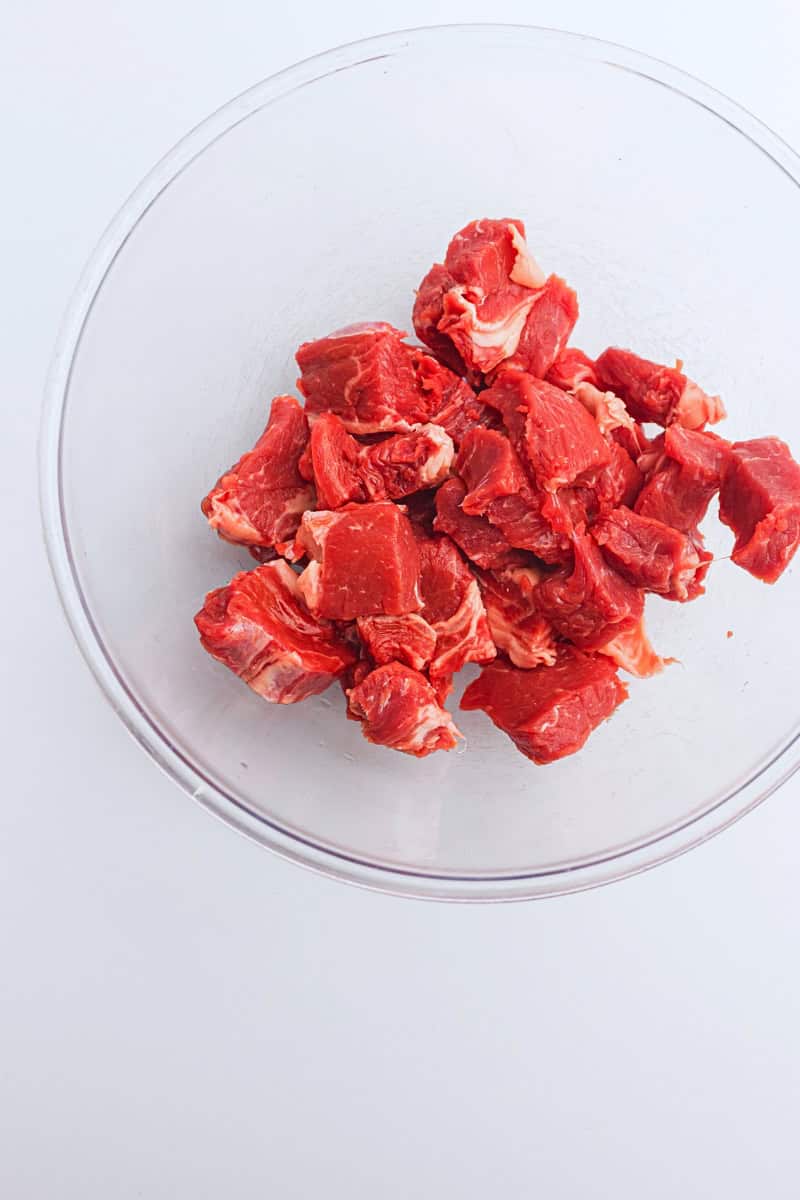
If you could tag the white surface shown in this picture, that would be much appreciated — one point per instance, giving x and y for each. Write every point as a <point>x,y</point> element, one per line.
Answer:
<point>184,1015</point>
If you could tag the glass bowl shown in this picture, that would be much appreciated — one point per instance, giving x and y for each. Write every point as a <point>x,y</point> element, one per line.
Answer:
<point>319,198</point>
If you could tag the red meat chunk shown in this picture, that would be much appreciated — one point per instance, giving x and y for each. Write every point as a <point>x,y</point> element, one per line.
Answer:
<point>398,708</point>
<point>704,455</point>
<point>589,603</point>
<point>652,555</point>
<point>550,711</point>
<point>260,628</point>
<point>374,382</point>
<point>408,639</point>
<point>482,543</point>
<point>346,471</point>
<point>365,562</point>
<point>760,501</point>
<point>515,623</point>
<point>529,522</point>
<point>260,500</point>
<point>683,476</point>
<point>480,299</point>
<point>463,414</point>
<point>571,368</point>
<point>429,311</point>
<point>489,467</point>
<point>546,332</point>
<point>653,392</point>
<point>453,607</point>
<point>553,434</point>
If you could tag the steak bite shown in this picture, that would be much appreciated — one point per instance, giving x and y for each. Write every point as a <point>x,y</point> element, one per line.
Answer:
<point>550,711</point>
<point>375,382</point>
<point>398,708</point>
<point>365,562</point>
<point>259,627</point>
<point>653,392</point>
<point>760,501</point>
<point>260,500</point>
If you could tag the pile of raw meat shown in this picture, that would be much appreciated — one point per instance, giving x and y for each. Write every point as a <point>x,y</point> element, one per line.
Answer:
<point>502,499</point>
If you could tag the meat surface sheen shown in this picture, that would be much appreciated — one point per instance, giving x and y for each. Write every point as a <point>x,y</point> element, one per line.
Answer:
<point>548,712</point>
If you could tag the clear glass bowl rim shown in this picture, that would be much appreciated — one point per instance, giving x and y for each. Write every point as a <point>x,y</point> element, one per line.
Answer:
<point>720,814</point>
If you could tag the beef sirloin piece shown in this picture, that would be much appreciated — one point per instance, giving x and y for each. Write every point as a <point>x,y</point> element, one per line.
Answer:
<point>365,562</point>
<point>408,639</point>
<point>550,711</point>
<point>683,470</point>
<point>375,382</point>
<point>760,501</point>
<point>260,500</point>
<point>480,540</point>
<point>453,607</point>
<point>589,603</point>
<point>516,625</point>
<point>490,302</point>
<point>345,471</point>
<point>488,465</point>
<point>555,437</point>
<point>653,392</point>
<point>259,627</point>
<point>652,555</point>
<point>398,708</point>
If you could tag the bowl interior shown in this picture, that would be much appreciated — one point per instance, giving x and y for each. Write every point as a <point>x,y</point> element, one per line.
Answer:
<point>325,205</point>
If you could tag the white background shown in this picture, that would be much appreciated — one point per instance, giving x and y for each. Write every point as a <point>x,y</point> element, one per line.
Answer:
<point>181,1014</point>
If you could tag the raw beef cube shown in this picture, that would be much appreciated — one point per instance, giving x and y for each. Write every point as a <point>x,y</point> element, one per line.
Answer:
<point>260,628</point>
<point>571,368</point>
<point>760,501</point>
<point>481,297</point>
<point>260,500</point>
<point>653,392</point>
<point>704,455</point>
<point>489,467</point>
<point>428,312</point>
<point>652,555</point>
<point>408,639</point>
<point>398,708</point>
<point>590,603</point>
<point>373,381</point>
<point>526,522</point>
<point>346,471</point>
<point>632,652</point>
<point>553,434</point>
<point>516,625</point>
<point>482,543</point>
<point>550,711</point>
<point>453,607</point>
<point>547,329</point>
<point>464,413</point>
<point>365,562</point>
